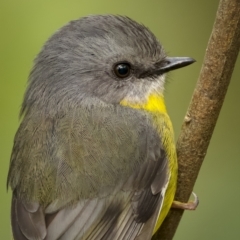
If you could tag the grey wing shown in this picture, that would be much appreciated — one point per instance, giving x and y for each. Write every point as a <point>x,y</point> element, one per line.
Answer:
<point>116,190</point>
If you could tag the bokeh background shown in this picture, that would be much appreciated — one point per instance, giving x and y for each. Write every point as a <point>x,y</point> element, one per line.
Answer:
<point>183,27</point>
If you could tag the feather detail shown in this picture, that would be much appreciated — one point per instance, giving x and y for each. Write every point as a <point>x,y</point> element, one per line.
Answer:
<point>31,223</point>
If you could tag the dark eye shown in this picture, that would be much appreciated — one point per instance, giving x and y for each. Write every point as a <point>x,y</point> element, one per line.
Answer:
<point>122,70</point>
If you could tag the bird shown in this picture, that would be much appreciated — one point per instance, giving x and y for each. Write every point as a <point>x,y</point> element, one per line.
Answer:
<point>94,156</point>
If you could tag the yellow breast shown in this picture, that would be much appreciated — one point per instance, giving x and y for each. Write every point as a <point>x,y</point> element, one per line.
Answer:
<point>155,105</point>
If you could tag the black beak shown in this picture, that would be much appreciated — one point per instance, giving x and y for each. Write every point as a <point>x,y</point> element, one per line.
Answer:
<point>172,63</point>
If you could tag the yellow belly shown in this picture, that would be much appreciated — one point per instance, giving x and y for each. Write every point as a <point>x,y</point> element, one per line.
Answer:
<point>155,105</point>
<point>165,130</point>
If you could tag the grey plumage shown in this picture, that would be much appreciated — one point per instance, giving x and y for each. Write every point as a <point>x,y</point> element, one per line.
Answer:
<point>83,53</point>
<point>83,166</point>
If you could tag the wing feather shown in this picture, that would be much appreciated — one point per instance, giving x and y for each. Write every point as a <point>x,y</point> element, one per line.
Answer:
<point>31,224</point>
<point>107,177</point>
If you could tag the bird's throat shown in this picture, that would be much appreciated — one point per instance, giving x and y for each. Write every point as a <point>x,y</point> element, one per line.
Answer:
<point>154,103</point>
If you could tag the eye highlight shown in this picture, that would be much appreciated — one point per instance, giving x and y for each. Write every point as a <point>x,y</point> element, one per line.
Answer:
<point>122,70</point>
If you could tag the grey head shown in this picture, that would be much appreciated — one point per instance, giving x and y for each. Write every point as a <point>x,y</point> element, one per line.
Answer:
<point>107,58</point>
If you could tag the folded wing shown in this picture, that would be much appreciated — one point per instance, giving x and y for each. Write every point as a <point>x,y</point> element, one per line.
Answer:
<point>101,174</point>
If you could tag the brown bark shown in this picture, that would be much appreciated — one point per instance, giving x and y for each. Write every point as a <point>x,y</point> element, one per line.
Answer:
<point>206,103</point>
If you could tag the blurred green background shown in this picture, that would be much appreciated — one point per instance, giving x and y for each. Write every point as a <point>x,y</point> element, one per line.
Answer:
<point>183,27</point>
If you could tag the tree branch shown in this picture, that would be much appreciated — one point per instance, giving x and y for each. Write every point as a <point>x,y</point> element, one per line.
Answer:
<point>205,106</point>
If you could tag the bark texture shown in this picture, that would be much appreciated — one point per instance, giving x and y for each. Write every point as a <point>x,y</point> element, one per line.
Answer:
<point>205,106</point>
